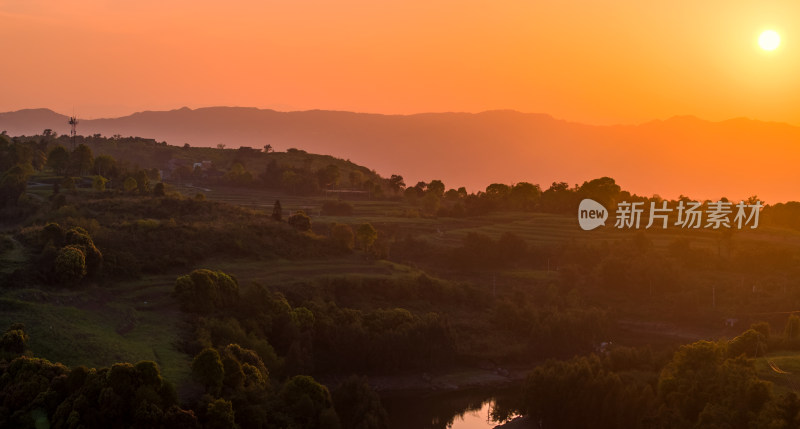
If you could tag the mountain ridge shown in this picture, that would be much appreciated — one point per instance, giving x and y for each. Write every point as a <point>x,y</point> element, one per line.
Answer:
<point>678,155</point>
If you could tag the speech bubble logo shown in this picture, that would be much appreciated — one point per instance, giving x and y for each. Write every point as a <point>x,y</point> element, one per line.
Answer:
<point>591,214</point>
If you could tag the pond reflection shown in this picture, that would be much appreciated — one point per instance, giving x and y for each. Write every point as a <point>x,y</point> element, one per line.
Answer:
<point>473,409</point>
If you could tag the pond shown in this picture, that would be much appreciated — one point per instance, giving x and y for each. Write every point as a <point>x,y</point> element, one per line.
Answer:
<point>471,409</point>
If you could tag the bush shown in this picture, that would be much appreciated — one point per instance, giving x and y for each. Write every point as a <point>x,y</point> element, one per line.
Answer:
<point>204,291</point>
<point>300,221</point>
<point>342,235</point>
<point>70,265</point>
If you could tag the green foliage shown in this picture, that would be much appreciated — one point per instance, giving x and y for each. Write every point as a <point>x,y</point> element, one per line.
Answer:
<point>237,175</point>
<point>14,342</point>
<point>304,402</point>
<point>203,291</point>
<point>750,343</point>
<point>220,415</point>
<point>701,386</point>
<point>105,165</point>
<point>328,176</point>
<point>27,384</point>
<point>81,159</point>
<point>13,184</point>
<point>342,235</point>
<point>358,406</point>
<point>158,189</point>
<point>99,183</point>
<point>207,369</point>
<point>366,235</point>
<point>70,265</point>
<point>80,238</point>
<point>35,392</point>
<point>58,159</point>
<point>142,181</point>
<point>300,221</point>
<point>583,393</point>
<point>130,185</point>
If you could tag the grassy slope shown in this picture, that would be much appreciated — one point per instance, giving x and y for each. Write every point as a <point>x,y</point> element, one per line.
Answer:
<point>787,361</point>
<point>99,326</point>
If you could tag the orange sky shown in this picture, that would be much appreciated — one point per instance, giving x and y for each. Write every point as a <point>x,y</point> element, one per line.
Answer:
<point>587,61</point>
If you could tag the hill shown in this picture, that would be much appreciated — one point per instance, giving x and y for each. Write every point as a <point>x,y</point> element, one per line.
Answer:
<point>734,158</point>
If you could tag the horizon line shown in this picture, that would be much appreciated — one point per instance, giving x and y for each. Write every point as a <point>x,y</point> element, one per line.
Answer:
<point>654,120</point>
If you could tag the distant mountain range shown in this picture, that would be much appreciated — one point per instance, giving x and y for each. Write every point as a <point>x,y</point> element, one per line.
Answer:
<point>734,158</point>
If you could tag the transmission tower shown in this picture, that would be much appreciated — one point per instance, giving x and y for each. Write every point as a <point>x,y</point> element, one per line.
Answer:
<point>73,122</point>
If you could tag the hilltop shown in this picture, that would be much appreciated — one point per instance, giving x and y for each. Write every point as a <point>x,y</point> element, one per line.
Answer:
<point>734,158</point>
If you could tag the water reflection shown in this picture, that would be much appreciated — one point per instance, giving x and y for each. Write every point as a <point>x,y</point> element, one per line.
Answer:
<point>473,409</point>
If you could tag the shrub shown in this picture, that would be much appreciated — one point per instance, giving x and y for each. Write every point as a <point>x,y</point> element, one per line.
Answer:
<point>300,221</point>
<point>70,265</point>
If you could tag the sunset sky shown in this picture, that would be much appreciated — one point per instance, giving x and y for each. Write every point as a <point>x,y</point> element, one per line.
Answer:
<point>586,61</point>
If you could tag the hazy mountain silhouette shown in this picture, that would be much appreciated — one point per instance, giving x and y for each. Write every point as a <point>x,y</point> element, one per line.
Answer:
<point>734,158</point>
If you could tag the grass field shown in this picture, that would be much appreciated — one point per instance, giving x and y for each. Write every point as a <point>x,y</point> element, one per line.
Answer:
<point>97,327</point>
<point>138,320</point>
<point>535,228</point>
<point>786,361</point>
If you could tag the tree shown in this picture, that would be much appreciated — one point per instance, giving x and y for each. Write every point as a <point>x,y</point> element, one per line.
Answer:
<point>142,181</point>
<point>39,160</point>
<point>300,221</point>
<point>366,234</point>
<point>358,406</point>
<point>267,148</point>
<point>70,265</point>
<point>207,370</point>
<point>436,187</point>
<point>328,176</point>
<point>14,341</point>
<point>220,415</point>
<point>356,178</point>
<point>342,235</point>
<point>104,165</point>
<point>305,401</point>
<point>80,238</point>
<point>277,211</point>
<point>603,190</point>
<point>13,184</point>
<point>396,183</point>
<point>158,189</point>
<point>750,343</point>
<point>524,196</point>
<point>203,291</point>
<point>58,159</point>
<point>498,191</point>
<point>81,159</point>
<point>130,185</point>
<point>220,146</point>
<point>238,175</point>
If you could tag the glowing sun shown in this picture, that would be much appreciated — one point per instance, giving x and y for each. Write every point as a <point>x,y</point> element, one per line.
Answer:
<point>769,40</point>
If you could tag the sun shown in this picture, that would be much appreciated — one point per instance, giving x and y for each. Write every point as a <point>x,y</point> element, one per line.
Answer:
<point>769,40</point>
